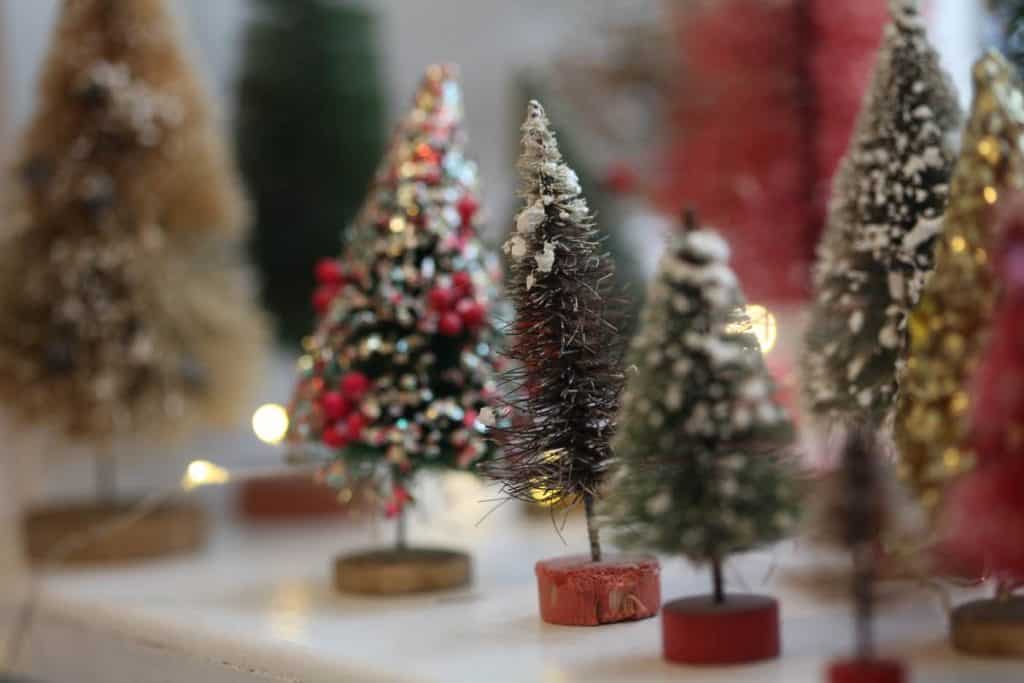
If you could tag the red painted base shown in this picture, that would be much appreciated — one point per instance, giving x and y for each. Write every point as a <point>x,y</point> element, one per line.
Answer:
<point>575,591</point>
<point>867,671</point>
<point>288,497</point>
<point>744,628</point>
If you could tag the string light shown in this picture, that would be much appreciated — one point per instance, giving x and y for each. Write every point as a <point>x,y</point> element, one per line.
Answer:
<point>761,323</point>
<point>204,473</point>
<point>270,423</point>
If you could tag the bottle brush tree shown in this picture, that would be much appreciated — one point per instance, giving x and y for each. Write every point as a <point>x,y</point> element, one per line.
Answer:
<point>886,211</point>
<point>126,308</point>
<point>699,448</point>
<point>403,360</point>
<point>949,324</point>
<point>565,341</point>
<point>311,125</point>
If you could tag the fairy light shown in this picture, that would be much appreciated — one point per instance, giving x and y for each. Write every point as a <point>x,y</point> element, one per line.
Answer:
<point>204,473</point>
<point>270,423</point>
<point>547,497</point>
<point>761,323</point>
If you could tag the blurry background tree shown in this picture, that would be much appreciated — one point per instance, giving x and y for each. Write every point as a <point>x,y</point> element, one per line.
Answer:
<point>771,112</point>
<point>311,125</point>
<point>1008,33</point>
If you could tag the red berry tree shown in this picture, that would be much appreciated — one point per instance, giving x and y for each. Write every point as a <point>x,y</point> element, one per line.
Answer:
<point>402,362</point>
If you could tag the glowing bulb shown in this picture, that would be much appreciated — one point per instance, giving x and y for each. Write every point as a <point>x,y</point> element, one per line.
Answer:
<point>762,323</point>
<point>545,497</point>
<point>990,194</point>
<point>270,422</point>
<point>204,473</point>
<point>958,244</point>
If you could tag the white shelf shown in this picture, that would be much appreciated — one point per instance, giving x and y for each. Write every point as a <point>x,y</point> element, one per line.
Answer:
<point>257,606</point>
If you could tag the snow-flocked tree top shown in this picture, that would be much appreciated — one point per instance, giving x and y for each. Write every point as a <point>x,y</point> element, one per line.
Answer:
<point>700,437</point>
<point>887,205</point>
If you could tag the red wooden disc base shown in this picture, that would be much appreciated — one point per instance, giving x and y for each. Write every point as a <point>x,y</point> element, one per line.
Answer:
<point>289,497</point>
<point>576,591</point>
<point>867,671</point>
<point>697,630</point>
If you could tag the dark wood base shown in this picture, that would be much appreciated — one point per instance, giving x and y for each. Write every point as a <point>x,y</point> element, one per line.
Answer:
<point>290,497</point>
<point>867,671</point>
<point>110,533</point>
<point>989,628</point>
<point>395,571</point>
<point>697,630</point>
<point>576,591</point>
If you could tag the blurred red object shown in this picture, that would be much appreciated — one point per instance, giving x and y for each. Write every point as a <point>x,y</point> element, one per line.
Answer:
<point>982,521</point>
<point>770,94</point>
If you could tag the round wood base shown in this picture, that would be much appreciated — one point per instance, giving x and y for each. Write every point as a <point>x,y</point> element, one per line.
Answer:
<point>867,671</point>
<point>409,570</point>
<point>697,630</point>
<point>289,497</point>
<point>989,628</point>
<point>93,533</point>
<point>576,591</point>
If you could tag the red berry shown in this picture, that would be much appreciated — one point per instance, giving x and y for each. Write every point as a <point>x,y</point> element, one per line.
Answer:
<point>334,437</point>
<point>354,426</point>
<point>471,312</point>
<point>354,385</point>
<point>441,299</point>
<point>462,282</point>
<point>328,272</point>
<point>335,405</point>
<point>467,207</point>
<point>401,495</point>
<point>450,324</point>
<point>322,297</point>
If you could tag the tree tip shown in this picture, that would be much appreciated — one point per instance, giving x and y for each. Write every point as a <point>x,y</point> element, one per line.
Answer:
<point>690,220</point>
<point>535,114</point>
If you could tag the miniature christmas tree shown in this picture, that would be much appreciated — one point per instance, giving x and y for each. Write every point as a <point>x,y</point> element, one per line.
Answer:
<point>402,361</point>
<point>565,388</point>
<point>948,325</point>
<point>307,174</point>
<point>982,519</point>
<point>700,437</point>
<point>888,200</point>
<point>566,339</point>
<point>126,309</point>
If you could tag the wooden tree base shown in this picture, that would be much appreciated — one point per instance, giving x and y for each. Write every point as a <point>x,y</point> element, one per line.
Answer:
<point>410,570</point>
<point>697,630</point>
<point>289,497</point>
<point>867,671</point>
<point>576,591</point>
<point>107,533</point>
<point>990,628</point>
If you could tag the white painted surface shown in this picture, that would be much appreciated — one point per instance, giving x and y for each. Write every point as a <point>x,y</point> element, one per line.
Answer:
<point>257,606</point>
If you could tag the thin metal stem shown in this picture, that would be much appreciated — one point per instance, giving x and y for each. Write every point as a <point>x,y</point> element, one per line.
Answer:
<point>592,531</point>
<point>400,530</point>
<point>863,580</point>
<point>717,580</point>
<point>106,476</point>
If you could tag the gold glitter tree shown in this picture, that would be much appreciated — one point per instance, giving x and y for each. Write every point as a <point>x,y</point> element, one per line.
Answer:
<point>125,310</point>
<point>947,327</point>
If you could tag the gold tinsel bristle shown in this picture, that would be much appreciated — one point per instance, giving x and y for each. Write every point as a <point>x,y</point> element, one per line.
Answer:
<point>947,328</point>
